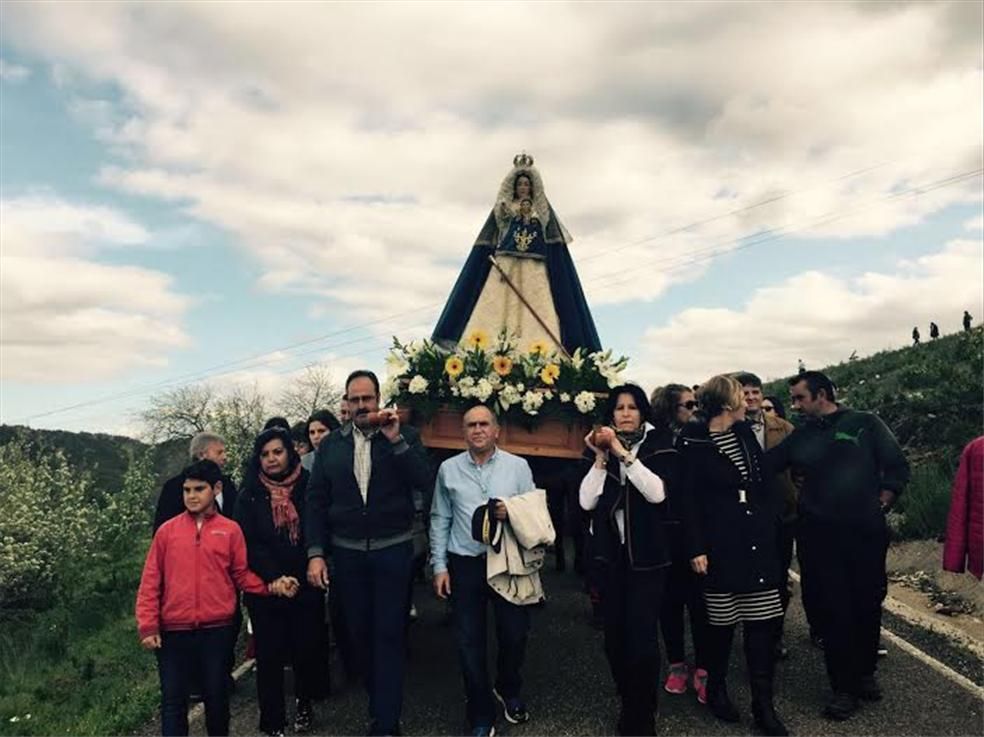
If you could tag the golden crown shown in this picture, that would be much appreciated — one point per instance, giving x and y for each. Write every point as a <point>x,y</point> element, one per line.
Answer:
<point>523,159</point>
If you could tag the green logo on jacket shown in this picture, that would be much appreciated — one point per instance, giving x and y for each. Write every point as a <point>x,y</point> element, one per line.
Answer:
<point>856,439</point>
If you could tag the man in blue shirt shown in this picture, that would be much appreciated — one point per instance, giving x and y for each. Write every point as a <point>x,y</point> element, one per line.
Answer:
<point>466,482</point>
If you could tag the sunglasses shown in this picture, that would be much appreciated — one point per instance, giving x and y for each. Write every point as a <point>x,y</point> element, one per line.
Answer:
<point>768,408</point>
<point>689,405</point>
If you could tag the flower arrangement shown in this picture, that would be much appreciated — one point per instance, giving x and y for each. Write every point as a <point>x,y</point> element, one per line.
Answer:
<point>519,385</point>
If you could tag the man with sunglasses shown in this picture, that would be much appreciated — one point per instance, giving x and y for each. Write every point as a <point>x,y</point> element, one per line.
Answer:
<point>770,430</point>
<point>853,469</point>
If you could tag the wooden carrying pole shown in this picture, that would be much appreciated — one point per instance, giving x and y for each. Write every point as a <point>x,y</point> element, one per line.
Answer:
<point>528,306</point>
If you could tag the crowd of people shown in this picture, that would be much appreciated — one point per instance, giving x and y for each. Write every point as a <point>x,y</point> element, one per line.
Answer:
<point>693,500</point>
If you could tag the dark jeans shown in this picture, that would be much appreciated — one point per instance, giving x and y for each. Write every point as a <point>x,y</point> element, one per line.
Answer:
<point>845,567</point>
<point>683,589</point>
<point>287,632</point>
<point>630,604</point>
<point>372,589</point>
<point>181,656</point>
<point>470,595</point>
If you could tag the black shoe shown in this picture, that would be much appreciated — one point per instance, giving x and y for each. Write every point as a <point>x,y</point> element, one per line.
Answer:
<point>768,722</point>
<point>841,706</point>
<point>868,689</point>
<point>721,705</point>
<point>303,716</point>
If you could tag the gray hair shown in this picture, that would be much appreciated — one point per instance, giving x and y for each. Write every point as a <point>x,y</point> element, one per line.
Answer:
<point>199,444</point>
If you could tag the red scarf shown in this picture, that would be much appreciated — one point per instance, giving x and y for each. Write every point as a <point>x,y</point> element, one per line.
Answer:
<point>284,512</point>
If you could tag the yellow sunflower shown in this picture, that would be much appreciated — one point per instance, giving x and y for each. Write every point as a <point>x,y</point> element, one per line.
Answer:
<point>550,373</point>
<point>502,365</point>
<point>454,366</point>
<point>540,347</point>
<point>477,339</point>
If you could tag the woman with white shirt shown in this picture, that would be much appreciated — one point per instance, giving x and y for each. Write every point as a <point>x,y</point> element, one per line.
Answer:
<point>635,467</point>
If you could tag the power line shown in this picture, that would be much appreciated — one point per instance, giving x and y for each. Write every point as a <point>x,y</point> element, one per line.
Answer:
<point>673,263</point>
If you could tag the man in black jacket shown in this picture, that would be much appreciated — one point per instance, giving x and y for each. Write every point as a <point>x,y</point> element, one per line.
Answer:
<point>360,510</point>
<point>853,469</point>
<point>170,503</point>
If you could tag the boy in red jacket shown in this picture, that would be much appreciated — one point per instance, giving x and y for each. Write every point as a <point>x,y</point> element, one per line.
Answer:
<point>187,600</point>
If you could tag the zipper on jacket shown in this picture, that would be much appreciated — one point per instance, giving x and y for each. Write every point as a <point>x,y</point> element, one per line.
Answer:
<point>198,553</point>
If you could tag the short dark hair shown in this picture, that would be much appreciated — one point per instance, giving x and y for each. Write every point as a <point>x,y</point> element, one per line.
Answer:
<point>638,395</point>
<point>203,470</point>
<point>746,378</point>
<point>277,422</point>
<point>299,433</point>
<point>272,433</point>
<point>361,374</point>
<point>325,417</point>
<point>815,381</point>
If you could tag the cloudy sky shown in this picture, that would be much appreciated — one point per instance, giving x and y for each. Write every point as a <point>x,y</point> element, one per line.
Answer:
<point>235,191</point>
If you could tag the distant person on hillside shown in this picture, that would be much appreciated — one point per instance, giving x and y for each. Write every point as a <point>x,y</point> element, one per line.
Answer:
<point>187,604</point>
<point>915,336</point>
<point>934,331</point>
<point>800,366</point>
<point>853,469</point>
<point>770,430</point>
<point>966,321</point>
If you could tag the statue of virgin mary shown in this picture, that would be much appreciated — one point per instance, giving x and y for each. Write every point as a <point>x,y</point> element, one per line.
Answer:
<point>533,293</point>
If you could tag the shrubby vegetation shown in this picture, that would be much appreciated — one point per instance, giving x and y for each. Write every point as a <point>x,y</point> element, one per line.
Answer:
<point>70,559</point>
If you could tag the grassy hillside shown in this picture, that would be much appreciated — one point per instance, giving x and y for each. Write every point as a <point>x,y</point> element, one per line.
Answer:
<point>932,397</point>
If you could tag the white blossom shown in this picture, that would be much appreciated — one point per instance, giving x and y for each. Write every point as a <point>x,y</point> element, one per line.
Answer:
<point>418,385</point>
<point>585,402</point>
<point>532,401</point>
<point>564,396</point>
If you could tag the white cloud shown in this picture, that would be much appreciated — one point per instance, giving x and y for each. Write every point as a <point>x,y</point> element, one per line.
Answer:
<point>817,317</point>
<point>66,318</point>
<point>354,151</point>
<point>975,223</point>
<point>10,72</point>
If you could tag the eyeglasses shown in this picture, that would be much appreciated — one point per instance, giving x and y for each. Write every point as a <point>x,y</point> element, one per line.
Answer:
<point>689,405</point>
<point>768,408</point>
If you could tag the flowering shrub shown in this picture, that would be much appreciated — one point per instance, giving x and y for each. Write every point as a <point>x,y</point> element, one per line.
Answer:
<point>521,385</point>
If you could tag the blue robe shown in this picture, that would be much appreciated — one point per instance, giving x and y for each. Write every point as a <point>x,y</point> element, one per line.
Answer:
<point>577,328</point>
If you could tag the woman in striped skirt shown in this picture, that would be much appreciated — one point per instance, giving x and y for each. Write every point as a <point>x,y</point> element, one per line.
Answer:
<point>733,517</point>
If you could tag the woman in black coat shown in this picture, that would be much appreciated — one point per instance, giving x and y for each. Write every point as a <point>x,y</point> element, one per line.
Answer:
<point>733,520</point>
<point>270,511</point>
<point>634,469</point>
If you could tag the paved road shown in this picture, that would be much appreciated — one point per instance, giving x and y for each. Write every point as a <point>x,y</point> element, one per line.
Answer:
<point>570,693</point>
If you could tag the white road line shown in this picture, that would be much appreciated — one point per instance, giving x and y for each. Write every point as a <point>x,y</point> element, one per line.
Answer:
<point>943,669</point>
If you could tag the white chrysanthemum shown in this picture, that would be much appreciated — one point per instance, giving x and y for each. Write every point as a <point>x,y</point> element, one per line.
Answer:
<point>532,401</point>
<point>483,390</point>
<point>585,402</point>
<point>418,384</point>
<point>564,396</point>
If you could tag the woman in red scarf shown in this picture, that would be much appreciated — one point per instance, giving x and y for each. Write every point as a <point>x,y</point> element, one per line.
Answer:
<point>270,511</point>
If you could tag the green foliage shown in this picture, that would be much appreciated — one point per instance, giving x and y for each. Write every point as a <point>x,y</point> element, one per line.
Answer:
<point>926,502</point>
<point>70,560</point>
